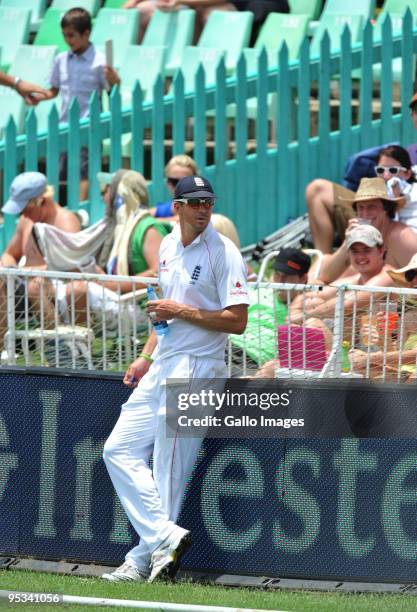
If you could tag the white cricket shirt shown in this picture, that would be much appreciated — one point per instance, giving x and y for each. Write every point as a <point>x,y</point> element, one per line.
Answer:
<point>209,274</point>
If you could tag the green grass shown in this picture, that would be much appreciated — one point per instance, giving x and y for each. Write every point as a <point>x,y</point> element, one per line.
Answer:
<point>187,592</point>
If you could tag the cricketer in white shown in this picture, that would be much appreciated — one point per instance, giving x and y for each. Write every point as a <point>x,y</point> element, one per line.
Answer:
<point>203,278</point>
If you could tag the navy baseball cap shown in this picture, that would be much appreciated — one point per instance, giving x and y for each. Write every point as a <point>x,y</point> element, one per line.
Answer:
<point>292,261</point>
<point>24,187</point>
<point>194,187</point>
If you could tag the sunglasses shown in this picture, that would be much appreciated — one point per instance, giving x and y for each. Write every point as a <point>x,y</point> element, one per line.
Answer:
<point>197,202</point>
<point>173,181</point>
<point>410,275</point>
<point>391,169</point>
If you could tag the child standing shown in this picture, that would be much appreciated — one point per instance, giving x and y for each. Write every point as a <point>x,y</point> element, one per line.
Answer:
<point>77,73</point>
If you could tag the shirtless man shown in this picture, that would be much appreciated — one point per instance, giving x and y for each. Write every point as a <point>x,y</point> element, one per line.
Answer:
<point>372,203</point>
<point>32,199</point>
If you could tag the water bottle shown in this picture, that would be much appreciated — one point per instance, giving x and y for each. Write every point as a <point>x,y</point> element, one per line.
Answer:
<point>161,327</point>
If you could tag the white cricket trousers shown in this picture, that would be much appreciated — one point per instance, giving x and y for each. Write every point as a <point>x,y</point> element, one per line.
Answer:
<point>152,500</point>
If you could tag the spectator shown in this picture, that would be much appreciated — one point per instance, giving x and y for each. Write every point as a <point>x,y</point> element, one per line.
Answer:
<point>33,199</point>
<point>203,8</point>
<point>317,310</point>
<point>372,203</point>
<point>328,203</point>
<point>32,94</point>
<point>78,73</point>
<point>412,149</point>
<point>399,363</point>
<point>177,168</point>
<point>136,239</point>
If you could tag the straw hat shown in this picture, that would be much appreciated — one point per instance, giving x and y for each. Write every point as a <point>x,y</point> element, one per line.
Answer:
<point>373,189</point>
<point>398,276</point>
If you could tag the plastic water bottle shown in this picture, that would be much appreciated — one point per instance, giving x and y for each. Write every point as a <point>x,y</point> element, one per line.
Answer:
<point>161,327</point>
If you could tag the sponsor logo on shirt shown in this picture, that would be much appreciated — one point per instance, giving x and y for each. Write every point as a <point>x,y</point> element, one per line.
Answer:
<point>163,266</point>
<point>238,289</point>
<point>195,275</point>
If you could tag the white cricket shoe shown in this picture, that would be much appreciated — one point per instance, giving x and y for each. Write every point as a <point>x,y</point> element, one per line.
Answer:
<point>126,573</point>
<point>165,560</point>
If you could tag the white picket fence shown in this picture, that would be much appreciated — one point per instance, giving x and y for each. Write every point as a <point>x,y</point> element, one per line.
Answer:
<point>70,320</point>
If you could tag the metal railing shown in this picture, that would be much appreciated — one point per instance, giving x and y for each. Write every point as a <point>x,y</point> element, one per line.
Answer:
<point>73,321</point>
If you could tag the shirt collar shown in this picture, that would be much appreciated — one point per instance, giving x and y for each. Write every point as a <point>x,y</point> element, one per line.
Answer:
<point>87,55</point>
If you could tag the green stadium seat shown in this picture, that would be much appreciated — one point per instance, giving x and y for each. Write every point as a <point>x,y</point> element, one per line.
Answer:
<point>115,4</point>
<point>365,8</point>
<point>397,25</point>
<point>143,64</point>
<point>229,32</point>
<point>305,7</point>
<point>32,64</point>
<point>37,8</point>
<point>91,6</point>
<point>172,30</point>
<point>119,25</point>
<point>335,23</point>
<point>192,58</point>
<point>49,32</point>
<point>399,6</point>
<point>14,31</point>
<point>280,27</point>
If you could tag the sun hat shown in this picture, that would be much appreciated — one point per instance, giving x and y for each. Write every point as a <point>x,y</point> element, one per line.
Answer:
<point>399,275</point>
<point>25,187</point>
<point>365,234</point>
<point>374,189</point>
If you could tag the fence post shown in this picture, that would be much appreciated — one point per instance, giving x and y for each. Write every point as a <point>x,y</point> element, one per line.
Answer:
<point>52,149</point>
<point>386,81</point>
<point>115,129</point>
<point>263,189</point>
<point>178,118</point>
<point>10,162</point>
<point>94,158</point>
<point>136,152</point>
<point>365,97</point>
<point>200,151</point>
<point>31,157</point>
<point>73,160</point>
<point>158,129</point>
<point>345,107</point>
<point>303,123</point>
<point>220,140</point>
<point>283,135</point>
<point>407,78</point>
<point>324,152</point>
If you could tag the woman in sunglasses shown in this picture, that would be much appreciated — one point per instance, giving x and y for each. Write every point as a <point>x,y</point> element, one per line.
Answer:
<point>326,201</point>
<point>394,166</point>
<point>177,168</point>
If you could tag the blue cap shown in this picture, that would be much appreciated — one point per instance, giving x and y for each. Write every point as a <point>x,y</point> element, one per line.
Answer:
<point>25,186</point>
<point>194,187</point>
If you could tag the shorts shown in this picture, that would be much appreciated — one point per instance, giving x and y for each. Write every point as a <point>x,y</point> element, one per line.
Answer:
<point>342,211</point>
<point>63,161</point>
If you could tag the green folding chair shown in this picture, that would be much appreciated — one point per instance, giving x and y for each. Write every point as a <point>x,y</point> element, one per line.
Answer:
<point>32,64</point>
<point>279,27</point>
<point>91,6</point>
<point>37,8</point>
<point>305,7</point>
<point>335,23</point>
<point>172,30</point>
<point>119,25</point>
<point>228,31</point>
<point>49,32</point>
<point>14,31</point>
